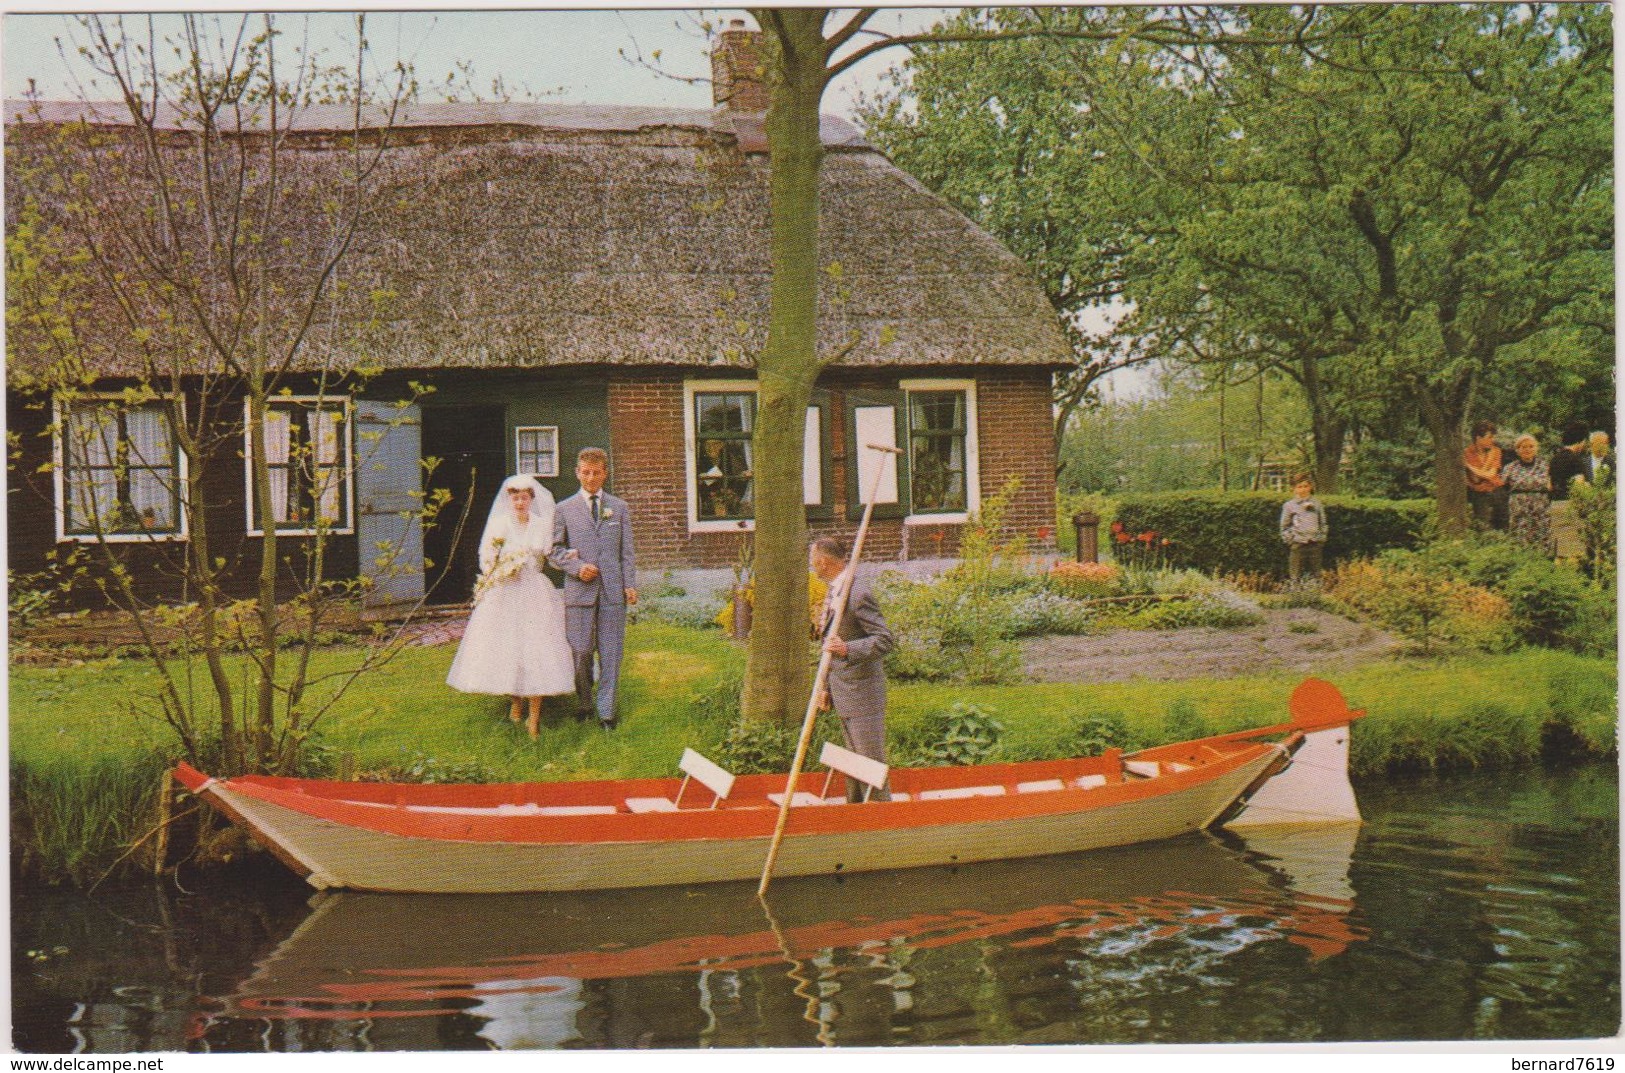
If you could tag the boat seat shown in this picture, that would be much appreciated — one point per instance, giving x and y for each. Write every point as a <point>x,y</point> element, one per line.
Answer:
<point>1089,782</point>
<point>953,792</point>
<point>651,804</point>
<point>1039,786</point>
<point>1142,769</point>
<point>867,770</point>
<point>695,768</point>
<point>1176,767</point>
<point>529,808</point>
<point>803,799</point>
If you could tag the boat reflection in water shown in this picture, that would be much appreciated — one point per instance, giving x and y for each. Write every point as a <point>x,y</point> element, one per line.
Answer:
<point>900,957</point>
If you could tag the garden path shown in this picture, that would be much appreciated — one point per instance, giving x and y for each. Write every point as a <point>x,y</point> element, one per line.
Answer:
<point>1297,640</point>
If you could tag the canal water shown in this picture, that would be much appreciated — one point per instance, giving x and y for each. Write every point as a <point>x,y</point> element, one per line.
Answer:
<point>1475,907</point>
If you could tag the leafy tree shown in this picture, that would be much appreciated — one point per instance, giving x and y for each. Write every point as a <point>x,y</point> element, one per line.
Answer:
<point>1381,210</point>
<point>804,51</point>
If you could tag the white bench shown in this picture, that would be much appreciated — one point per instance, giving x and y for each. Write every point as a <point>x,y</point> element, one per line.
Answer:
<point>694,768</point>
<point>530,808</point>
<point>872,773</point>
<point>954,792</point>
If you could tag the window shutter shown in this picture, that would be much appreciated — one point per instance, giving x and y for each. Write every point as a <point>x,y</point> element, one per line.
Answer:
<point>819,451</point>
<point>875,415</point>
<point>389,515</point>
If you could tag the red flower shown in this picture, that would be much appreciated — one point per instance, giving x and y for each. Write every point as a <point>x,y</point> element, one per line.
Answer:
<point>1117,527</point>
<point>1045,532</point>
<point>1120,536</point>
<point>1147,537</point>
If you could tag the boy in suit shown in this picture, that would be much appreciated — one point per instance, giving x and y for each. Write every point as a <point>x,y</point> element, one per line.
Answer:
<point>592,544</point>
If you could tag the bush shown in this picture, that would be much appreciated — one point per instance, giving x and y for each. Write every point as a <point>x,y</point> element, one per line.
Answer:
<point>960,627</point>
<point>1182,723</point>
<point>1097,732</point>
<point>1220,611</point>
<point>961,735</point>
<point>1545,599</point>
<point>1084,581</point>
<point>757,747</point>
<point>1597,509</point>
<point>1423,606</point>
<point>1240,531</point>
<point>1044,612</point>
<point>1549,603</point>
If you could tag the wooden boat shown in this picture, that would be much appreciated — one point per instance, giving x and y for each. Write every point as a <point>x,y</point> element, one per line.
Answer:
<point>518,837</point>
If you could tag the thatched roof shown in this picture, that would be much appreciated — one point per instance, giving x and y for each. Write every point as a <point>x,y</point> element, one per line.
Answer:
<point>547,235</point>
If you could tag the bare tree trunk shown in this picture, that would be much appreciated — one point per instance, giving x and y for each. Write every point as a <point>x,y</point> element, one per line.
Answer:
<point>777,668</point>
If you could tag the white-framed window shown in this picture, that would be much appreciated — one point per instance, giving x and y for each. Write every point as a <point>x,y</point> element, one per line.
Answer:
<point>536,449</point>
<point>719,419</point>
<point>307,449</point>
<point>119,473</point>
<point>943,472</point>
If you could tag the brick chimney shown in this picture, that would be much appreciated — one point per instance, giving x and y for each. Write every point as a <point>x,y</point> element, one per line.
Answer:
<point>736,69</point>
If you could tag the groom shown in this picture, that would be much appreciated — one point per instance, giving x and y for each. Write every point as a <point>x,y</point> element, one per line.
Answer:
<point>592,544</point>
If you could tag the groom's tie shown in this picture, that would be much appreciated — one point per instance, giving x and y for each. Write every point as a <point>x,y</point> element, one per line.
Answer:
<point>596,517</point>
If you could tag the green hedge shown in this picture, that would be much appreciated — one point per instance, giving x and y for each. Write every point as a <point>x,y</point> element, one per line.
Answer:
<point>1231,532</point>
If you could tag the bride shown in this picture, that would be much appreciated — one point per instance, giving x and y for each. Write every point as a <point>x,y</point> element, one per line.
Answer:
<point>515,644</point>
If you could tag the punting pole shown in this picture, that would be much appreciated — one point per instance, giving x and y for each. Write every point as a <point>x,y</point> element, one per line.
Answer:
<point>838,610</point>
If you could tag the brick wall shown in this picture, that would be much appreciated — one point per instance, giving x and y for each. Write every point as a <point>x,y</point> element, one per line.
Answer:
<point>646,419</point>
<point>1014,408</point>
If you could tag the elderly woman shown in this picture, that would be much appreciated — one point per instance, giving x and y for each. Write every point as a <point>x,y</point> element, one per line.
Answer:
<point>1528,480</point>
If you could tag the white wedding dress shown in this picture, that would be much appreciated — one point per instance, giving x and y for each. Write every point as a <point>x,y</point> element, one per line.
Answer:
<point>515,643</point>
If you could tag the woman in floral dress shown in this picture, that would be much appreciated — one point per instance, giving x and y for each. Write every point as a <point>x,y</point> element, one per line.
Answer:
<point>515,644</point>
<point>1529,501</point>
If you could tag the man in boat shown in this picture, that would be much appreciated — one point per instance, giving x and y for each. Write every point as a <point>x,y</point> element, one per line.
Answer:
<point>592,544</point>
<point>856,686</point>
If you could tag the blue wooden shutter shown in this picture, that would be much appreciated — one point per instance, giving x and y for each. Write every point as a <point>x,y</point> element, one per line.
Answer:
<point>389,502</point>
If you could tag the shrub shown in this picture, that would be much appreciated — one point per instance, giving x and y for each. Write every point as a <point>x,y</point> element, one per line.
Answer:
<point>1182,723</point>
<point>960,735</point>
<point>1422,606</point>
<point>757,747</point>
<point>960,627</point>
<point>1044,612</point>
<point>1597,509</point>
<point>1219,611</point>
<point>1545,599</point>
<point>1084,581</point>
<point>1240,531</point>
<point>1095,733</point>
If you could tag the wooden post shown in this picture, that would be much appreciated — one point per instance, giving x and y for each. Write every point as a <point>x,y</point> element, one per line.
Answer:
<point>166,802</point>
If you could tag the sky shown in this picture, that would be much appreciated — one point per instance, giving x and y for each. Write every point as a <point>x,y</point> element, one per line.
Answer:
<point>572,57</point>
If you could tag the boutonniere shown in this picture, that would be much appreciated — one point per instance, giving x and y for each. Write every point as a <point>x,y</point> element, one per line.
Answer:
<point>608,513</point>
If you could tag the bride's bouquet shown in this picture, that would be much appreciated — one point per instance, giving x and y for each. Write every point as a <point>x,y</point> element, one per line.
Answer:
<point>505,566</point>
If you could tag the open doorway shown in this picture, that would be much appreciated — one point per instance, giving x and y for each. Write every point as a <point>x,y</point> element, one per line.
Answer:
<point>471,444</point>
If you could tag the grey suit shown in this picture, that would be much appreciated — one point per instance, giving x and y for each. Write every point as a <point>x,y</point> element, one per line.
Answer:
<point>595,611</point>
<point>857,680</point>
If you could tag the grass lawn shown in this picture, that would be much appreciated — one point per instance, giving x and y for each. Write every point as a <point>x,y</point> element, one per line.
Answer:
<point>85,761</point>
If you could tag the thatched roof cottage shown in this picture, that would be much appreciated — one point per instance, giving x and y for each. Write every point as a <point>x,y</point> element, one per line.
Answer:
<point>564,276</point>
